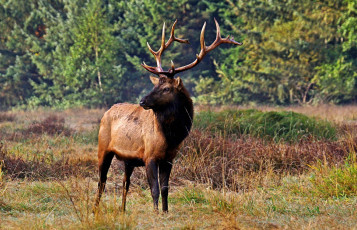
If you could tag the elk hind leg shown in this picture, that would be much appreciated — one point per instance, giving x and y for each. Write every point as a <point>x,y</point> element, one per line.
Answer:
<point>126,183</point>
<point>104,161</point>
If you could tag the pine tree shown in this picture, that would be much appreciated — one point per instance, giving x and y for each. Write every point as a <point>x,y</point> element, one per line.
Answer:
<point>285,45</point>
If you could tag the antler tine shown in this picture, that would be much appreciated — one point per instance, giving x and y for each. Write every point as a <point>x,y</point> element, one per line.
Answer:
<point>172,65</point>
<point>202,37</point>
<point>173,38</point>
<point>151,50</point>
<point>162,48</point>
<point>172,35</point>
<point>218,36</point>
<point>219,40</point>
<point>149,68</point>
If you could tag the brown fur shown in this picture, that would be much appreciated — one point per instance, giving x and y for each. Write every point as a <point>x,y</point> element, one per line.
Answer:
<point>147,137</point>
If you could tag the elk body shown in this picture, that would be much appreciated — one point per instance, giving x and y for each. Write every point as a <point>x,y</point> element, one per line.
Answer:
<point>150,134</point>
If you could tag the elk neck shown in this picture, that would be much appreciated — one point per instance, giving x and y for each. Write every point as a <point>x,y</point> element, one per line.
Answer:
<point>176,119</point>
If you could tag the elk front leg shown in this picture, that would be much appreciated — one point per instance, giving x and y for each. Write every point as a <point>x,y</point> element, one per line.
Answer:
<point>126,183</point>
<point>152,174</point>
<point>164,173</point>
<point>104,161</point>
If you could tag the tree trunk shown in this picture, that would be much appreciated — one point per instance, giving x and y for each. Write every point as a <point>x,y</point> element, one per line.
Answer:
<point>96,62</point>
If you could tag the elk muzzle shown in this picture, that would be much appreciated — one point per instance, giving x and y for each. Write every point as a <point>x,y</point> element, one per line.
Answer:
<point>144,103</point>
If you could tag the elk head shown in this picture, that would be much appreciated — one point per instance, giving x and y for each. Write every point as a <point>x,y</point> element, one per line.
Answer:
<point>167,89</point>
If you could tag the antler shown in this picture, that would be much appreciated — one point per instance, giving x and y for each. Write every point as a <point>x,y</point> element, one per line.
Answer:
<point>204,50</point>
<point>157,54</point>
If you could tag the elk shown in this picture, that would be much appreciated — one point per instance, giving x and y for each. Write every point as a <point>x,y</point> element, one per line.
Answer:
<point>150,134</point>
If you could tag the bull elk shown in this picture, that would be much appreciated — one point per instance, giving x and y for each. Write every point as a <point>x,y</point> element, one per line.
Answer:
<point>150,134</point>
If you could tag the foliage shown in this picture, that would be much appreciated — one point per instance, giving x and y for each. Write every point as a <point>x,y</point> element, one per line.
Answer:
<point>86,69</point>
<point>284,125</point>
<point>338,78</point>
<point>16,67</point>
<point>294,52</point>
<point>88,52</point>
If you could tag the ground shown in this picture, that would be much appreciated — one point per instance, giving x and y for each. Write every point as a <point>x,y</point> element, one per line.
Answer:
<point>49,177</point>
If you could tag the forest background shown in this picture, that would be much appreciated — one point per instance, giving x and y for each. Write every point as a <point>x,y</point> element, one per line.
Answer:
<point>87,53</point>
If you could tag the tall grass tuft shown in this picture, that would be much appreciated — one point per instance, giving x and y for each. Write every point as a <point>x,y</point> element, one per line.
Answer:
<point>271,125</point>
<point>335,181</point>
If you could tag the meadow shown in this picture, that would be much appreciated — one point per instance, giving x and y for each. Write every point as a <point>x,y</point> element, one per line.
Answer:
<point>240,168</point>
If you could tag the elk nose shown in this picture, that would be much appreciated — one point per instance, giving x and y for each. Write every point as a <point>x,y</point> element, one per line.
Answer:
<point>142,102</point>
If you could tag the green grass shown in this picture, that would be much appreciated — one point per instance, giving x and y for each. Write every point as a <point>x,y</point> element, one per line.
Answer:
<point>37,205</point>
<point>336,181</point>
<point>272,125</point>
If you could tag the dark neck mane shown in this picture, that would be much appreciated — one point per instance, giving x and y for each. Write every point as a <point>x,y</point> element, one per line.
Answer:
<point>176,119</point>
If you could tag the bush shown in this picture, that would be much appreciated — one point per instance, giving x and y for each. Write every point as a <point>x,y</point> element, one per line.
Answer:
<point>7,117</point>
<point>284,125</point>
<point>51,125</point>
<point>41,169</point>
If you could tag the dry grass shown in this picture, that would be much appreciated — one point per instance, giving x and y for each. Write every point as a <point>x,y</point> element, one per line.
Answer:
<point>226,161</point>
<point>40,168</point>
<point>335,113</point>
<point>48,179</point>
<point>4,117</point>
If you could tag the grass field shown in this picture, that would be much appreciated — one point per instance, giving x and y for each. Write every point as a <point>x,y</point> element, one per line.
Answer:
<point>240,168</point>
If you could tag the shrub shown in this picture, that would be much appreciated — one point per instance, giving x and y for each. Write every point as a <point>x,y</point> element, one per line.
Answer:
<point>51,125</point>
<point>7,117</point>
<point>42,169</point>
<point>284,125</point>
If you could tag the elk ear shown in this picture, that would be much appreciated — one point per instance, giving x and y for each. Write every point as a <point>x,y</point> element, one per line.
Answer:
<point>178,83</point>
<point>154,80</point>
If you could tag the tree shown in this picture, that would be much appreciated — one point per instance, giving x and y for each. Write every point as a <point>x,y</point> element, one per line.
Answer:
<point>88,52</point>
<point>84,68</point>
<point>285,44</point>
<point>17,21</point>
<point>337,79</point>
